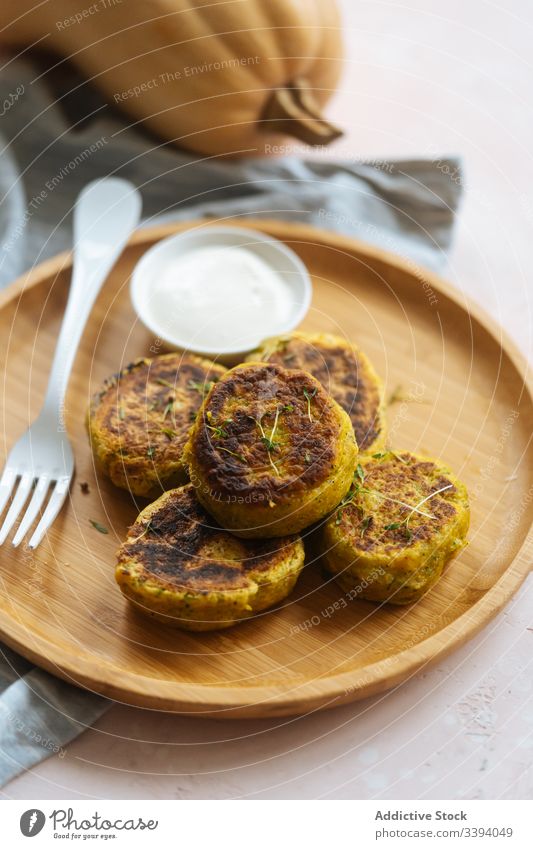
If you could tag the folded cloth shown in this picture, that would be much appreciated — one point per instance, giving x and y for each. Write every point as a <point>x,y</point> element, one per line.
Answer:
<point>407,207</point>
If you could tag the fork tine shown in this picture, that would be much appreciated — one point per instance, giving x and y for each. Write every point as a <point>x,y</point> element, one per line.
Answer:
<point>19,500</point>
<point>7,482</point>
<point>59,493</point>
<point>39,494</point>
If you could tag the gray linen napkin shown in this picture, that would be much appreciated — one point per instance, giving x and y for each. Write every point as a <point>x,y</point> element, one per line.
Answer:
<point>407,207</point>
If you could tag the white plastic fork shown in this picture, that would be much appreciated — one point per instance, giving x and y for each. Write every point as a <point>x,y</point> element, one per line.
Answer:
<point>106,213</point>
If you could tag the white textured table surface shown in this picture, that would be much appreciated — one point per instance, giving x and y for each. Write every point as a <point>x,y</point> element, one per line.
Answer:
<point>422,79</point>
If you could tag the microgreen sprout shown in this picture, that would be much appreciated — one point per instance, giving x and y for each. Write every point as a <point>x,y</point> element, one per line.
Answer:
<point>268,441</point>
<point>168,408</point>
<point>401,503</point>
<point>396,396</point>
<point>365,524</point>
<point>344,503</point>
<point>219,430</point>
<point>393,526</point>
<point>202,388</point>
<point>233,453</point>
<point>308,396</point>
<point>416,509</point>
<point>163,382</point>
<point>360,473</point>
<point>381,454</point>
<point>142,534</point>
<point>399,458</point>
<point>273,444</point>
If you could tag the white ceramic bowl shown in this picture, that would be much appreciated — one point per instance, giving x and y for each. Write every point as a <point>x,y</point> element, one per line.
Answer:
<point>276,254</point>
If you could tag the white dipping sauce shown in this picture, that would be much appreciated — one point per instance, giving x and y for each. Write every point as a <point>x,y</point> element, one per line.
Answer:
<point>217,297</point>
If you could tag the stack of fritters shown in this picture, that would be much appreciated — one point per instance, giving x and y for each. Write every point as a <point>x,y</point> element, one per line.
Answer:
<point>292,438</point>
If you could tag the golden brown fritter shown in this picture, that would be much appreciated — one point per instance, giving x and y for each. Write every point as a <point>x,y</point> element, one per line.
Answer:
<point>343,370</point>
<point>270,451</point>
<point>181,568</point>
<point>405,517</point>
<point>139,422</point>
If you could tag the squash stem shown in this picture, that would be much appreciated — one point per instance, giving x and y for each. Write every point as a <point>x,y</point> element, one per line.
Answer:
<point>294,111</point>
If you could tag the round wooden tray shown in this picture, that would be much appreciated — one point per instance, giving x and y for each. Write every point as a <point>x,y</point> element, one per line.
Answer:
<point>458,390</point>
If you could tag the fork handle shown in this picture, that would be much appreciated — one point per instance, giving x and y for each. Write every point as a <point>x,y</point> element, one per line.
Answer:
<point>107,211</point>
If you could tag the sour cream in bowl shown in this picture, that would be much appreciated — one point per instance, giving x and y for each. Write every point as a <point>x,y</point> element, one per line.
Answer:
<point>218,291</point>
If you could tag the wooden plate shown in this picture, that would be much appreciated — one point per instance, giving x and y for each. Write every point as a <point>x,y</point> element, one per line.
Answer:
<point>458,390</point>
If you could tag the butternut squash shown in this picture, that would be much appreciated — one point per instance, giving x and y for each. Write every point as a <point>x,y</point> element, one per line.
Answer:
<point>214,77</point>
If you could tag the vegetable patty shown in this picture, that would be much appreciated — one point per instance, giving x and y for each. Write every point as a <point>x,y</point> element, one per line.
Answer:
<point>270,451</point>
<point>139,422</point>
<point>405,517</point>
<point>181,568</point>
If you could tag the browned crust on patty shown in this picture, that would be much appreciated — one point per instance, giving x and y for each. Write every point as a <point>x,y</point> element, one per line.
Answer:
<point>248,403</point>
<point>392,526</point>
<point>139,421</point>
<point>182,547</point>
<point>343,370</point>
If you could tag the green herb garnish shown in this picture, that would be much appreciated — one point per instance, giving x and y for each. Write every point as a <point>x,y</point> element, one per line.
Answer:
<point>233,453</point>
<point>365,524</point>
<point>163,382</point>
<point>100,528</point>
<point>150,451</point>
<point>121,413</point>
<point>393,526</point>
<point>344,503</point>
<point>396,396</point>
<point>168,408</point>
<point>202,388</point>
<point>360,473</point>
<point>144,532</point>
<point>268,441</point>
<point>401,503</point>
<point>220,430</point>
<point>399,458</point>
<point>308,396</point>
